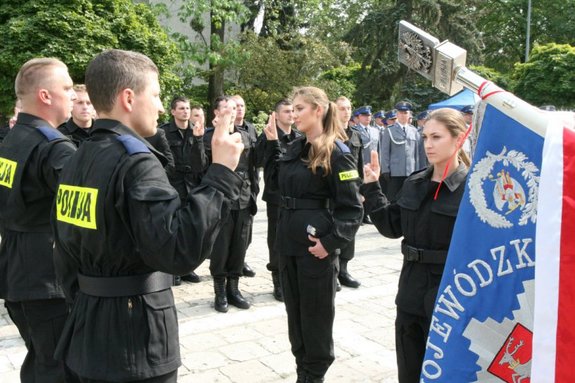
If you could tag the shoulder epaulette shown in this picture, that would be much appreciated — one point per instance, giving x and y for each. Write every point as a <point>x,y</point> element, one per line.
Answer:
<point>50,133</point>
<point>343,147</point>
<point>133,145</point>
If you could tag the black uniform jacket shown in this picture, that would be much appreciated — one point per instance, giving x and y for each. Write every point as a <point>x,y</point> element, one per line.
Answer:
<point>117,215</point>
<point>246,169</point>
<point>424,223</point>
<point>160,143</point>
<point>354,144</point>
<point>271,192</point>
<point>75,133</point>
<point>31,158</point>
<point>336,225</point>
<point>190,159</point>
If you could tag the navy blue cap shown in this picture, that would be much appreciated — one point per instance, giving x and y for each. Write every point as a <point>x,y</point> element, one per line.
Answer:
<point>362,110</point>
<point>423,115</point>
<point>403,106</point>
<point>379,114</point>
<point>391,114</point>
<point>467,109</point>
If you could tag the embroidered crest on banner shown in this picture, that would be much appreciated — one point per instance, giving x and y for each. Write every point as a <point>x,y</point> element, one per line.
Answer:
<point>503,189</point>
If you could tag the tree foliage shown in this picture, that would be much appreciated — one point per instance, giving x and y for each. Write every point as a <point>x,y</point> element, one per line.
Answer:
<point>548,76</point>
<point>76,30</point>
<point>503,24</point>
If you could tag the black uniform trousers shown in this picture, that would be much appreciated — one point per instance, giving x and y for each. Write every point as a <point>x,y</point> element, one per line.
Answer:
<point>229,251</point>
<point>394,185</point>
<point>40,323</point>
<point>410,339</point>
<point>309,286</point>
<point>272,211</point>
<point>171,377</point>
<point>348,252</point>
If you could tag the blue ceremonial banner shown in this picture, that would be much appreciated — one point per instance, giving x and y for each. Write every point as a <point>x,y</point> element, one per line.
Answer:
<point>482,323</point>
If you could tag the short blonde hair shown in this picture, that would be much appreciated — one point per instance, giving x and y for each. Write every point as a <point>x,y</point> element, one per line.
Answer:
<point>33,73</point>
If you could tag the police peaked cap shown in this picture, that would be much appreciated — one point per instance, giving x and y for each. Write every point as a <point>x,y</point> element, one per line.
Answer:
<point>391,114</point>
<point>403,106</point>
<point>423,115</point>
<point>467,109</point>
<point>362,110</point>
<point>379,114</point>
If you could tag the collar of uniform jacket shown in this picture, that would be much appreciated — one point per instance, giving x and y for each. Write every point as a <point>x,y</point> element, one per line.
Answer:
<point>104,124</point>
<point>452,181</point>
<point>29,119</point>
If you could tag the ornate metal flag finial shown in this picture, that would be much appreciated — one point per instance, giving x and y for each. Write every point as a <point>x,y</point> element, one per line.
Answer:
<point>435,61</point>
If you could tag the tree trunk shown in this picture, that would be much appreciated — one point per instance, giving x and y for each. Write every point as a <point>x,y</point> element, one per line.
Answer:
<point>216,78</point>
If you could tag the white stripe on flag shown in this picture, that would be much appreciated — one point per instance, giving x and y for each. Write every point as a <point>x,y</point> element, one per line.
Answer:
<point>548,242</point>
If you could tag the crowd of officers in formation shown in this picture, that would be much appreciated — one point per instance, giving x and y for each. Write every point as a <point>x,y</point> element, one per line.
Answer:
<point>206,213</point>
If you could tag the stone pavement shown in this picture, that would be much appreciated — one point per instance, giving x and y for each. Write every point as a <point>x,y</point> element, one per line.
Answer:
<point>250,346</point>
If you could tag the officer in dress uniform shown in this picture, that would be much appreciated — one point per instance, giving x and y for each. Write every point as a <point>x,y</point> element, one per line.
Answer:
<point>77,128</point>
<point>120,229</point>
<point>421,117</point>
<point>369,134</point>
<point>284,119</point>
<point>390,118</point>
<point>185,138</point>
<point>469,144</point>
<point>400,150</point>
<point>379,119</point>
<point>31,159</point>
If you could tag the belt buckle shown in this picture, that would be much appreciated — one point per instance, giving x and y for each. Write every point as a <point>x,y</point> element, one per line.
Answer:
<point>413,254</point>
<point>288,202</point>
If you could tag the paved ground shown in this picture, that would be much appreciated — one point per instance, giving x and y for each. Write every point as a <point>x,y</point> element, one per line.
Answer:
<point>252,346</point>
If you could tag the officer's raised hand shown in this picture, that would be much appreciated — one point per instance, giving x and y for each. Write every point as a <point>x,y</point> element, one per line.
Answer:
<point>198,128</point>
<point>371,171</point>
<point>270,130</point>
<point>226,147</point>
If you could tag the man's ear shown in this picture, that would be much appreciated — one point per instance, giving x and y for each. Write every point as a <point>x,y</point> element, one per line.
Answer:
<point>126,99</point>
<point>44,96</point>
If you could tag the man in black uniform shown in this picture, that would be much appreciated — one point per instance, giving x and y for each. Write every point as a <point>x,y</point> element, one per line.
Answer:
<point>185,139</point>
<point>118,220</point>
<point>250,129</point>
<point>229,252</point>
<point>355,146</point>
<point>77,128</point>
<point>31,158</point>
<point>284,119</point>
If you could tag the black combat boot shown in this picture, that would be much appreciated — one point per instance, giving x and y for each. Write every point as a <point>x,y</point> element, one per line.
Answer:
<point>344,277</point>
<point>221,302</point>
<point>235,297</point>
<point>278,294</point>
<point>311,379</point>
<point>247,271</point>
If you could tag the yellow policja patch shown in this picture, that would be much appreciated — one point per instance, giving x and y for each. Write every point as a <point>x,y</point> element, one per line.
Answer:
<point>348,175</point>
<point>77,205</point>
<point>7,172</point>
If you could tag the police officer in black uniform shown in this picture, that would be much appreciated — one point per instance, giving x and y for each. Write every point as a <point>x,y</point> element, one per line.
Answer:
<point>229,252</point>
<point>120,226</point>
<point>320,213</point>
<point>249,128</point>
<point>77,128</point>
<point>185,139</point>
<point>355,146</point>
<point>31,158</point>
<point>284,119</point>
<point>426,225</point>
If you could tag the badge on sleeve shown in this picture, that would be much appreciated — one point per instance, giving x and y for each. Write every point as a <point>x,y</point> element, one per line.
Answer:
<point>348,175</point>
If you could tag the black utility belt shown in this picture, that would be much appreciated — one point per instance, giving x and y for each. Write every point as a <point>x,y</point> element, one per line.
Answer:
<point>303,203</point>
<point>183,168</point>
<point>413,254</point>
<point>130,285</point>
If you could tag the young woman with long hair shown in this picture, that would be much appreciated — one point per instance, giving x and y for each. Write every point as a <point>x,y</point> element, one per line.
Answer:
<point>319,214</point>
<point>424,214</point>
